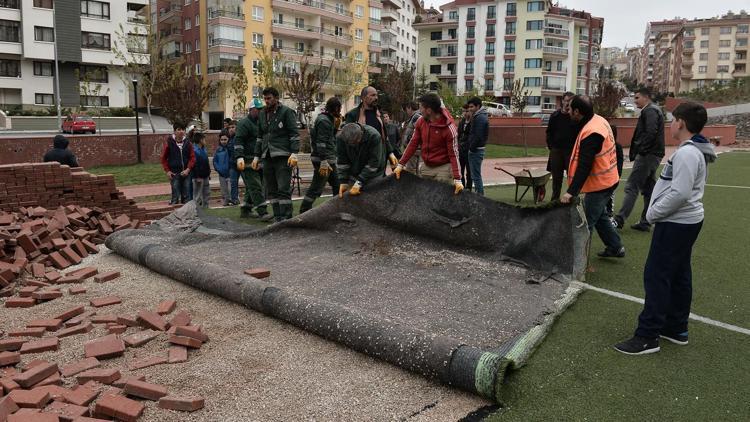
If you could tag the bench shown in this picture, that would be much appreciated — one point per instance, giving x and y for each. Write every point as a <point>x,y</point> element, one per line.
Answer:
<point>303,173</point>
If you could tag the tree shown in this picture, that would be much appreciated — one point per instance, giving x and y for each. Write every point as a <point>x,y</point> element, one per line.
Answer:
<point>303,86</point>
<point>519,98</point>
<point>266,75</point>
<point>422,85</point>
<point>347,77</point>
<point>91,89</point>
<point>182,94</point>
<point>397,86</point>
<point>238,87</point>
<point>607,97</point>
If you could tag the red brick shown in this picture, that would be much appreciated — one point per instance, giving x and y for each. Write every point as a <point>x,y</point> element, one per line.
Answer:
<point>122,381</point>
<point>105,301</point>
<point>122,408</point>
<point>8,385</point>
<point>104,376</point>
<point>105,347</point>
<point>80,249</point>
<point>76,329</point>
<point>140,338</point>
<point>127,320</point>
<point>32,376</point>
<point>90,247</point>
<point>152,320</point>
<point>111,275</point>
<point>33,363</point>
<point>166,307</point>
<point>80,366</point>
<point>84,317</point>
<point>27,291</point>
<point>69,254</point>
<point>84,273</point>
<point>146,362</point>
<point>37,270</point>
<point>48,324</point>
<point>9,358</point>
<point>53,379</point>
<point>81,396</point>
<point>117,329</point>
<point>104,319</point>
<point>28,332</point>
<point>193,332</point>
<point>58,260</point>
<point>70,313</point>
<point>38,346</point>
<point>34,417</point>
<point>37,283</point>
<point>25,242</point>
<point>258,272</point>
<point>185,341</point>
<point>46,294</point>
<point>11,344</point>
<point>20,302</point>
<point>65,411</point>
<point>59,243</point>
<point>52,276</point>
<point>145,390</point>
<point>55,391</point>
<point>180,318</point>
<point>178,354</point>
<point>183,403</point>
<point>69,279</point>
<point>30,398</point>
<point>86,419</point>
<point>77,290</point>
<point>7,407</point>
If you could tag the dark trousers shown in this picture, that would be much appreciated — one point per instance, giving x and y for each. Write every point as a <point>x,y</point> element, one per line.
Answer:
<point>254,189</point>
<point>475,166</point>
<point>180,189</point>
<point>642,179</point>
<point>277,178</point>
<point>317,185</point>
<point>463,160</point>
<point>595,207</point>
<point>557,164</point>
<point>234,181</point>
<point>668,280</point>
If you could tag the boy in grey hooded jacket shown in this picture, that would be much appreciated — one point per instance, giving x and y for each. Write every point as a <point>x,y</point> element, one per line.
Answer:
<point>676,211</point>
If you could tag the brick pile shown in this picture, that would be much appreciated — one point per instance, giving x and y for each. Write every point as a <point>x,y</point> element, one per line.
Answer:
<point>51,185</point>
<point>41,390</point>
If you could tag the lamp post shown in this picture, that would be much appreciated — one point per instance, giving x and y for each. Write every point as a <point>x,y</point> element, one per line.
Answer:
<point>137,123</point>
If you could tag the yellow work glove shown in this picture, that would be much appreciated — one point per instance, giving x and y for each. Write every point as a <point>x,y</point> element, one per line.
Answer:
<point>397,171</point>
<point>325,169</point>
<point>292,161</point>
<point>255,165</point>
<point>342,189</point>
<point>241,164</point>
<point>355,190</point>
<point>392,158</point>
<point>457,187</point>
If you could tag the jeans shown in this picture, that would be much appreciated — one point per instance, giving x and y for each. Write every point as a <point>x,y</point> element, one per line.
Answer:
<point>475,167</point>
<point>234,177</point>
<point>224,186</point>
<point>595,207</point>
<point>201,191</point>
<point>642,179</point>
<point>668,280</point>
<point>179,186</point>
<point>557,164</point>
<point>190,187</point>
<point>463,161</point>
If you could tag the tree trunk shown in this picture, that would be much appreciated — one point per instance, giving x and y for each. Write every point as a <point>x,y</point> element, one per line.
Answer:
<point>148,113</point>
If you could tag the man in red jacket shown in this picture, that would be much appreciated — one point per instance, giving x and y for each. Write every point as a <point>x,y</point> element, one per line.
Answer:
<point>436,134</point>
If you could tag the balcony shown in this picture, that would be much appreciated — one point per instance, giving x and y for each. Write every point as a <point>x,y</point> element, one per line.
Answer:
<point>688,50</point>
<point>376,24</point>
<point>549,107</point>
<point>388,45</point>
<point>740,59</point>
<point>224,45</point>
<point>392,3</point>
<point>170,14</point>
<point>554,88</point>
<point>583,56</point>
<point>221,73</point>
<point>389,16</point>
<point>374,46</point>
<point>388,61</point>
<point>447,75</point>
<point>137,19</point>
<point>555,51</point>
<point>550,31</point>
<point>226,17</point>
<point>740,72</point>
<point>686,75</point>
<point>688,62</point>
<point>172,54</point>
<point>315,8</point>
<point>739,47</point>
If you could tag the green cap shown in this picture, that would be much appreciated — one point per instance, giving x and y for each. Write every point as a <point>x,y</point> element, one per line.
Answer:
<point>255,103</point>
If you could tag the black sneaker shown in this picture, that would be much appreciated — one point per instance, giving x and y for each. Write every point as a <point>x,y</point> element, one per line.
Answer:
<point>641,227</point>
<point>618,222</point>
<point>681,339</point>
<point>608,253</point>
<point>638,346</point>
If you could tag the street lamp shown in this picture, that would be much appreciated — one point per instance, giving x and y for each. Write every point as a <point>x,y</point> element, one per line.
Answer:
<point>137,123</point>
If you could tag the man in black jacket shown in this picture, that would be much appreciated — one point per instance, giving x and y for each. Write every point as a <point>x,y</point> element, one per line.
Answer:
<point>561,136</point>
<point>61,153</point>
<point>646,151</point>
<point>464,126</point>
<point>478,133</point>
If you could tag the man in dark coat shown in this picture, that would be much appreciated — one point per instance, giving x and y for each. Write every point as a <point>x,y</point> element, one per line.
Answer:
<point>60,152</point>
<point>561,136</point>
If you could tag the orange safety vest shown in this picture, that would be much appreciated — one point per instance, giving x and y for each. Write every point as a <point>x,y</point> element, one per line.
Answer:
<point>604,169</point>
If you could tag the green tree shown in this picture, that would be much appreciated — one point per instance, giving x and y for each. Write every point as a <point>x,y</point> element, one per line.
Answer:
<point>182,94</point>
<point>347,77</point>
<point>422,85</point>
<point>238,87</point>
<point>607,97</point>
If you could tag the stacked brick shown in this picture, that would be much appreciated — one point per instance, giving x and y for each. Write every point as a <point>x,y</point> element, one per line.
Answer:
<point>51,185</point>
<point>40,390</point>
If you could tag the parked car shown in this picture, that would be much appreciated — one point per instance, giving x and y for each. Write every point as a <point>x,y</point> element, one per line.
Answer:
<point>497,109</point>
<point>544,116</point>
<point>630,107</point>
<point>78,123</point>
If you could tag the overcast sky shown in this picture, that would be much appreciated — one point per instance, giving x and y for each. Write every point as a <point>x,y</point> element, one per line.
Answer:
<point>625,20</point>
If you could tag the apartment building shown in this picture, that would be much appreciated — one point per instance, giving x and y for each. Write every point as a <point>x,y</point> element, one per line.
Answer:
<point>84,33</point>
<point>398,38</point>
<point>489,45</point>
<point>655,43</point>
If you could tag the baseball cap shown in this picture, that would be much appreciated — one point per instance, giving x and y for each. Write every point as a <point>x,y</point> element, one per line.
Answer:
<point>255,103</point>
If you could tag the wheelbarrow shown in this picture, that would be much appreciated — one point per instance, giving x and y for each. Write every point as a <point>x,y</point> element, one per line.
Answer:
<point>534,179</point>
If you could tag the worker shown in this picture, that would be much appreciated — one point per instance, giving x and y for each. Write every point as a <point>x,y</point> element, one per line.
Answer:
<point>245,137</point>
<point>323,155</point>
<point>593,171</point>
<point>361,157</point>
<point>277,145</point>
<point>368,113</point>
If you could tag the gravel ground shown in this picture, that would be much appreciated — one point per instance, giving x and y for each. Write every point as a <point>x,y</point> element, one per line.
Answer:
<point>253,367</point>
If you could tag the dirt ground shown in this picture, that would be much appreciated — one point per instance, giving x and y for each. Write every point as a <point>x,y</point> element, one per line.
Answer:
<point>254,367</point>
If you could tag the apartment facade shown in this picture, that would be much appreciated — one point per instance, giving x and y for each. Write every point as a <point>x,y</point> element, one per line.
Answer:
<point>489,45</point>
<point>84,33</point>
<point>656,41</point>
<point>398,38</point>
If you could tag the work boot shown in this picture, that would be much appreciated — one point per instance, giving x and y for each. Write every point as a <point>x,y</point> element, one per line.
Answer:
<point>641,227</point>
<point>245,211</point>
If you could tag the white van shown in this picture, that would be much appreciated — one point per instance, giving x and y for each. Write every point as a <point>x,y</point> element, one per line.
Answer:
<point>497,109</point>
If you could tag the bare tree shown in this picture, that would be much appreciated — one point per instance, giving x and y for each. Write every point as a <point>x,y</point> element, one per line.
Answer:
<point>266,74</point>
<point>182,94</point>
<point>91,88</point>
<point>347,77</point>
<point>303,86</point>
<point>607,97</point>
<point>397,85</point>
<point>238,87</point>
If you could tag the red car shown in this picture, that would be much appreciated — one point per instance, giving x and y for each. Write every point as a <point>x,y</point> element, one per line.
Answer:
<point>78,123</point>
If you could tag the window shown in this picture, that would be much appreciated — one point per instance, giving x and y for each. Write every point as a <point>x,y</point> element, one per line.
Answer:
<point>278,43</point>
<point>722,68</point>
<point>434,86</point>
<point>359,11</point>
<point>703,56</point>
<point>489,84</point>
<point>95,9</point>
<point>44,69</point>
<point>533,44</point>
<point>743,29</point>
<point>471,14</point>
<point>510,9</point>
<point>507,84</point>
<point>451,34</point>
<point>434,69</point>
<point>534,25</point>
<point>469,68</point>
<point>436,35</point>
<point>95,40</point>
<point>197,20</point>
<point>94,101</point>
<point>46,99</point>
<point>491,12</point>
<point>42,33</point>
<point>725,43</point>
<point>258,13</point>
<point>187,24</point>
<point>197,45</point>
<point>434,52</point>
<point>10,68</point>
<point>491,30</point>
<point>725,30</point>
<point>44,4</point>
<point>535,6</point>
<point>359,34</point>
<point>548,66</point>
<point>741,42</point>
<point>188,47</point>
<point>510,28</point>
<point>257,39</point>
<point>723,56</point>
<point>704,44</point>
<point>510,66</point>
<point>510,47</point>
<point>470,32</point>
<point>256,67</point>
<point>93,73</point>
<point>468,84</point>
<point>705,31</point>
<point>559,66</point>
<point>9,31</point>
<point>299,47</point>
<point>469,50</point>
<point>532,63</point>
<point>197,68</point>
<point>534,100</point>
<point>453,15</point>
<point>299,23</point>
<point>451,68</point>
<point>532,81</point>
<point>687,44</point>
<point>702,69</point>
<point>490,50</point>
<point>489,66</point>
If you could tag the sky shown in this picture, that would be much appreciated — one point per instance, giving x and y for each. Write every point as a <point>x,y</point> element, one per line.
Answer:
<point>625,20</point>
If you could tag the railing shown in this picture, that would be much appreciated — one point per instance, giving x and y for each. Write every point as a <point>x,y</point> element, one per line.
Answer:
<point>553,87</point>
<point>556,50</point>
<point>173,55</point>
<point>374,42</point>
<point>549,106</point>
<point>314,29</point>
<point>214,42</point>
<point>224,68</point>
<point>323,6</point>
<point>173,31</point>
<point>170,9</point>
<point>376,21</point>
<point>556,31</point>
<point>220,13</point>
<point>137,19</point>
<point>583,56</point>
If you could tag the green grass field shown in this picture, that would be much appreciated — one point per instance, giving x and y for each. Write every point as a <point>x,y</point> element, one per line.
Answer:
<point>136,174</point>
<point>575,375</point>
<point>512,151</point>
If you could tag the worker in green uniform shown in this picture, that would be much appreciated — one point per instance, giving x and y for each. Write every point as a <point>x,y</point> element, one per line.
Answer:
<point>277,146</point>
<point>245,137</point>
<point>361,157</point>
<point>323,155</point>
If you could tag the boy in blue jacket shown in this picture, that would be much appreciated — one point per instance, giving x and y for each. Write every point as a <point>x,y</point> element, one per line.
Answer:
<point>221,165</point>
<point>201,172</point>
